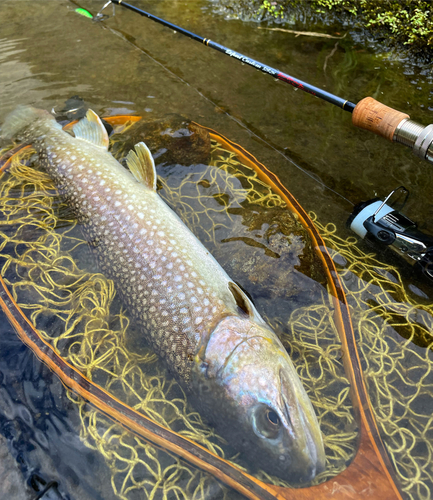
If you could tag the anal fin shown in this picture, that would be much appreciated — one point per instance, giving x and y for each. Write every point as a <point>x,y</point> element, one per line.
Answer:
<point>142,166</point>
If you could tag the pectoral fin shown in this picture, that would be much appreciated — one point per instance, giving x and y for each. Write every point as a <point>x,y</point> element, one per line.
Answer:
<point>142,166</point>
<point>245,303</point>
<point>91,129</point>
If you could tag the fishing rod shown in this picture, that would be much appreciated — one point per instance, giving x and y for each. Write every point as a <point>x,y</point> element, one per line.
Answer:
<point>368,114</point>
<point>374,220</point>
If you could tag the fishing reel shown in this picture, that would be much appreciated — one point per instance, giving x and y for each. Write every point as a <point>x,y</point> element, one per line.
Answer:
<point>377,221</point>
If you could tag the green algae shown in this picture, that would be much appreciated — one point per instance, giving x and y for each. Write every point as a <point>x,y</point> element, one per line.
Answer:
<point>407,24</point>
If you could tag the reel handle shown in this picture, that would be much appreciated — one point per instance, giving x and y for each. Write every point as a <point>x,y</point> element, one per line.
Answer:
<point>394,125</point>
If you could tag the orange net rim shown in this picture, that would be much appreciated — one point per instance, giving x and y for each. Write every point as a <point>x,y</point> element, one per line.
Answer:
<point>377,467</point>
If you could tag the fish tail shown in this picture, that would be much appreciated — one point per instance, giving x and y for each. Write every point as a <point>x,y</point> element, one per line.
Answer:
<point>20,119</point>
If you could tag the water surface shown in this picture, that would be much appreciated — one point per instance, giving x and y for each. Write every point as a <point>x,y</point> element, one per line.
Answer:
<point>128,64</point>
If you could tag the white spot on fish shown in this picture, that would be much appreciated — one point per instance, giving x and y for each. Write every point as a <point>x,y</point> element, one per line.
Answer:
<point>198,320</point>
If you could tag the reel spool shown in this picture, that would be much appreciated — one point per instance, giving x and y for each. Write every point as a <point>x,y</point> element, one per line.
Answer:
<point>377,221</point>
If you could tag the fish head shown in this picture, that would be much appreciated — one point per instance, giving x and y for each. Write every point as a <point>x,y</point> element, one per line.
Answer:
<point>274,418</point>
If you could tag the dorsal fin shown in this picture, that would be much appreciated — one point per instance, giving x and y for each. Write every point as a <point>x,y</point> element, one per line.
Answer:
<point>142,166</point>
<point>92,130</point>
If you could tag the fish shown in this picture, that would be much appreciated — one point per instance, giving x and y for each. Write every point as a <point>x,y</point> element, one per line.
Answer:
<point>199,321</point>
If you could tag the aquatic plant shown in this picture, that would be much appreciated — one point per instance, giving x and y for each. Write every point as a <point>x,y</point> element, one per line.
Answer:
<point>276,10</point>
<point>406,22</point>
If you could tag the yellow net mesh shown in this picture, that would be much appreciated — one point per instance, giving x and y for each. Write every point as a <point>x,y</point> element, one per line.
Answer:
<point>394,329</point>
<point>77,311</point>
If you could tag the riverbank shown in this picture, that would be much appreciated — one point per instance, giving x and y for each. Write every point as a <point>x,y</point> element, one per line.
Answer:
<point>403,27</point>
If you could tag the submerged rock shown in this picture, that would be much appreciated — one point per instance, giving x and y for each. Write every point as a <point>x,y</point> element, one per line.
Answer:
<point>172,140</point>
<point>12,482</point>
<point>268,247</point>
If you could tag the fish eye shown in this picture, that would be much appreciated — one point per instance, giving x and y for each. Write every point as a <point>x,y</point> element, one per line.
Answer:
<point>267,423</point>
<point>273,418</point>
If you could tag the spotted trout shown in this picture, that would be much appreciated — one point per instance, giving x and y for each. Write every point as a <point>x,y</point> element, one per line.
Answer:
<point>195,317</point>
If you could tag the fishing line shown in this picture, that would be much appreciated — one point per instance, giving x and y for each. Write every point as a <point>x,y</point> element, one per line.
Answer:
<point>129,39</point>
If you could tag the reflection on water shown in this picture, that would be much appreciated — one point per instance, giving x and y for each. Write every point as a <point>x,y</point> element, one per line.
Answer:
<point>20,83</point>
<point>43,438</point>
<point>129,64</point>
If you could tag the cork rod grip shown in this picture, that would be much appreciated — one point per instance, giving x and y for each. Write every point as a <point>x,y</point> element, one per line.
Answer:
<point>374,116</point>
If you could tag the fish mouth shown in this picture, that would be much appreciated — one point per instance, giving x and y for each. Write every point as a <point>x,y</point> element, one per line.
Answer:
<point>303,428</point>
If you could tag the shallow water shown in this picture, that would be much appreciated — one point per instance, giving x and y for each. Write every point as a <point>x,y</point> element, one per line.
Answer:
<point>128,64</point>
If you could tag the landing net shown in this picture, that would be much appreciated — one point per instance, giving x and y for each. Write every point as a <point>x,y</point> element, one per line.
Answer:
<point>47,268</point>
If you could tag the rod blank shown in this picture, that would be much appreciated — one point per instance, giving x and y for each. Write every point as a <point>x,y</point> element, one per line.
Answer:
<point>275,73</point>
